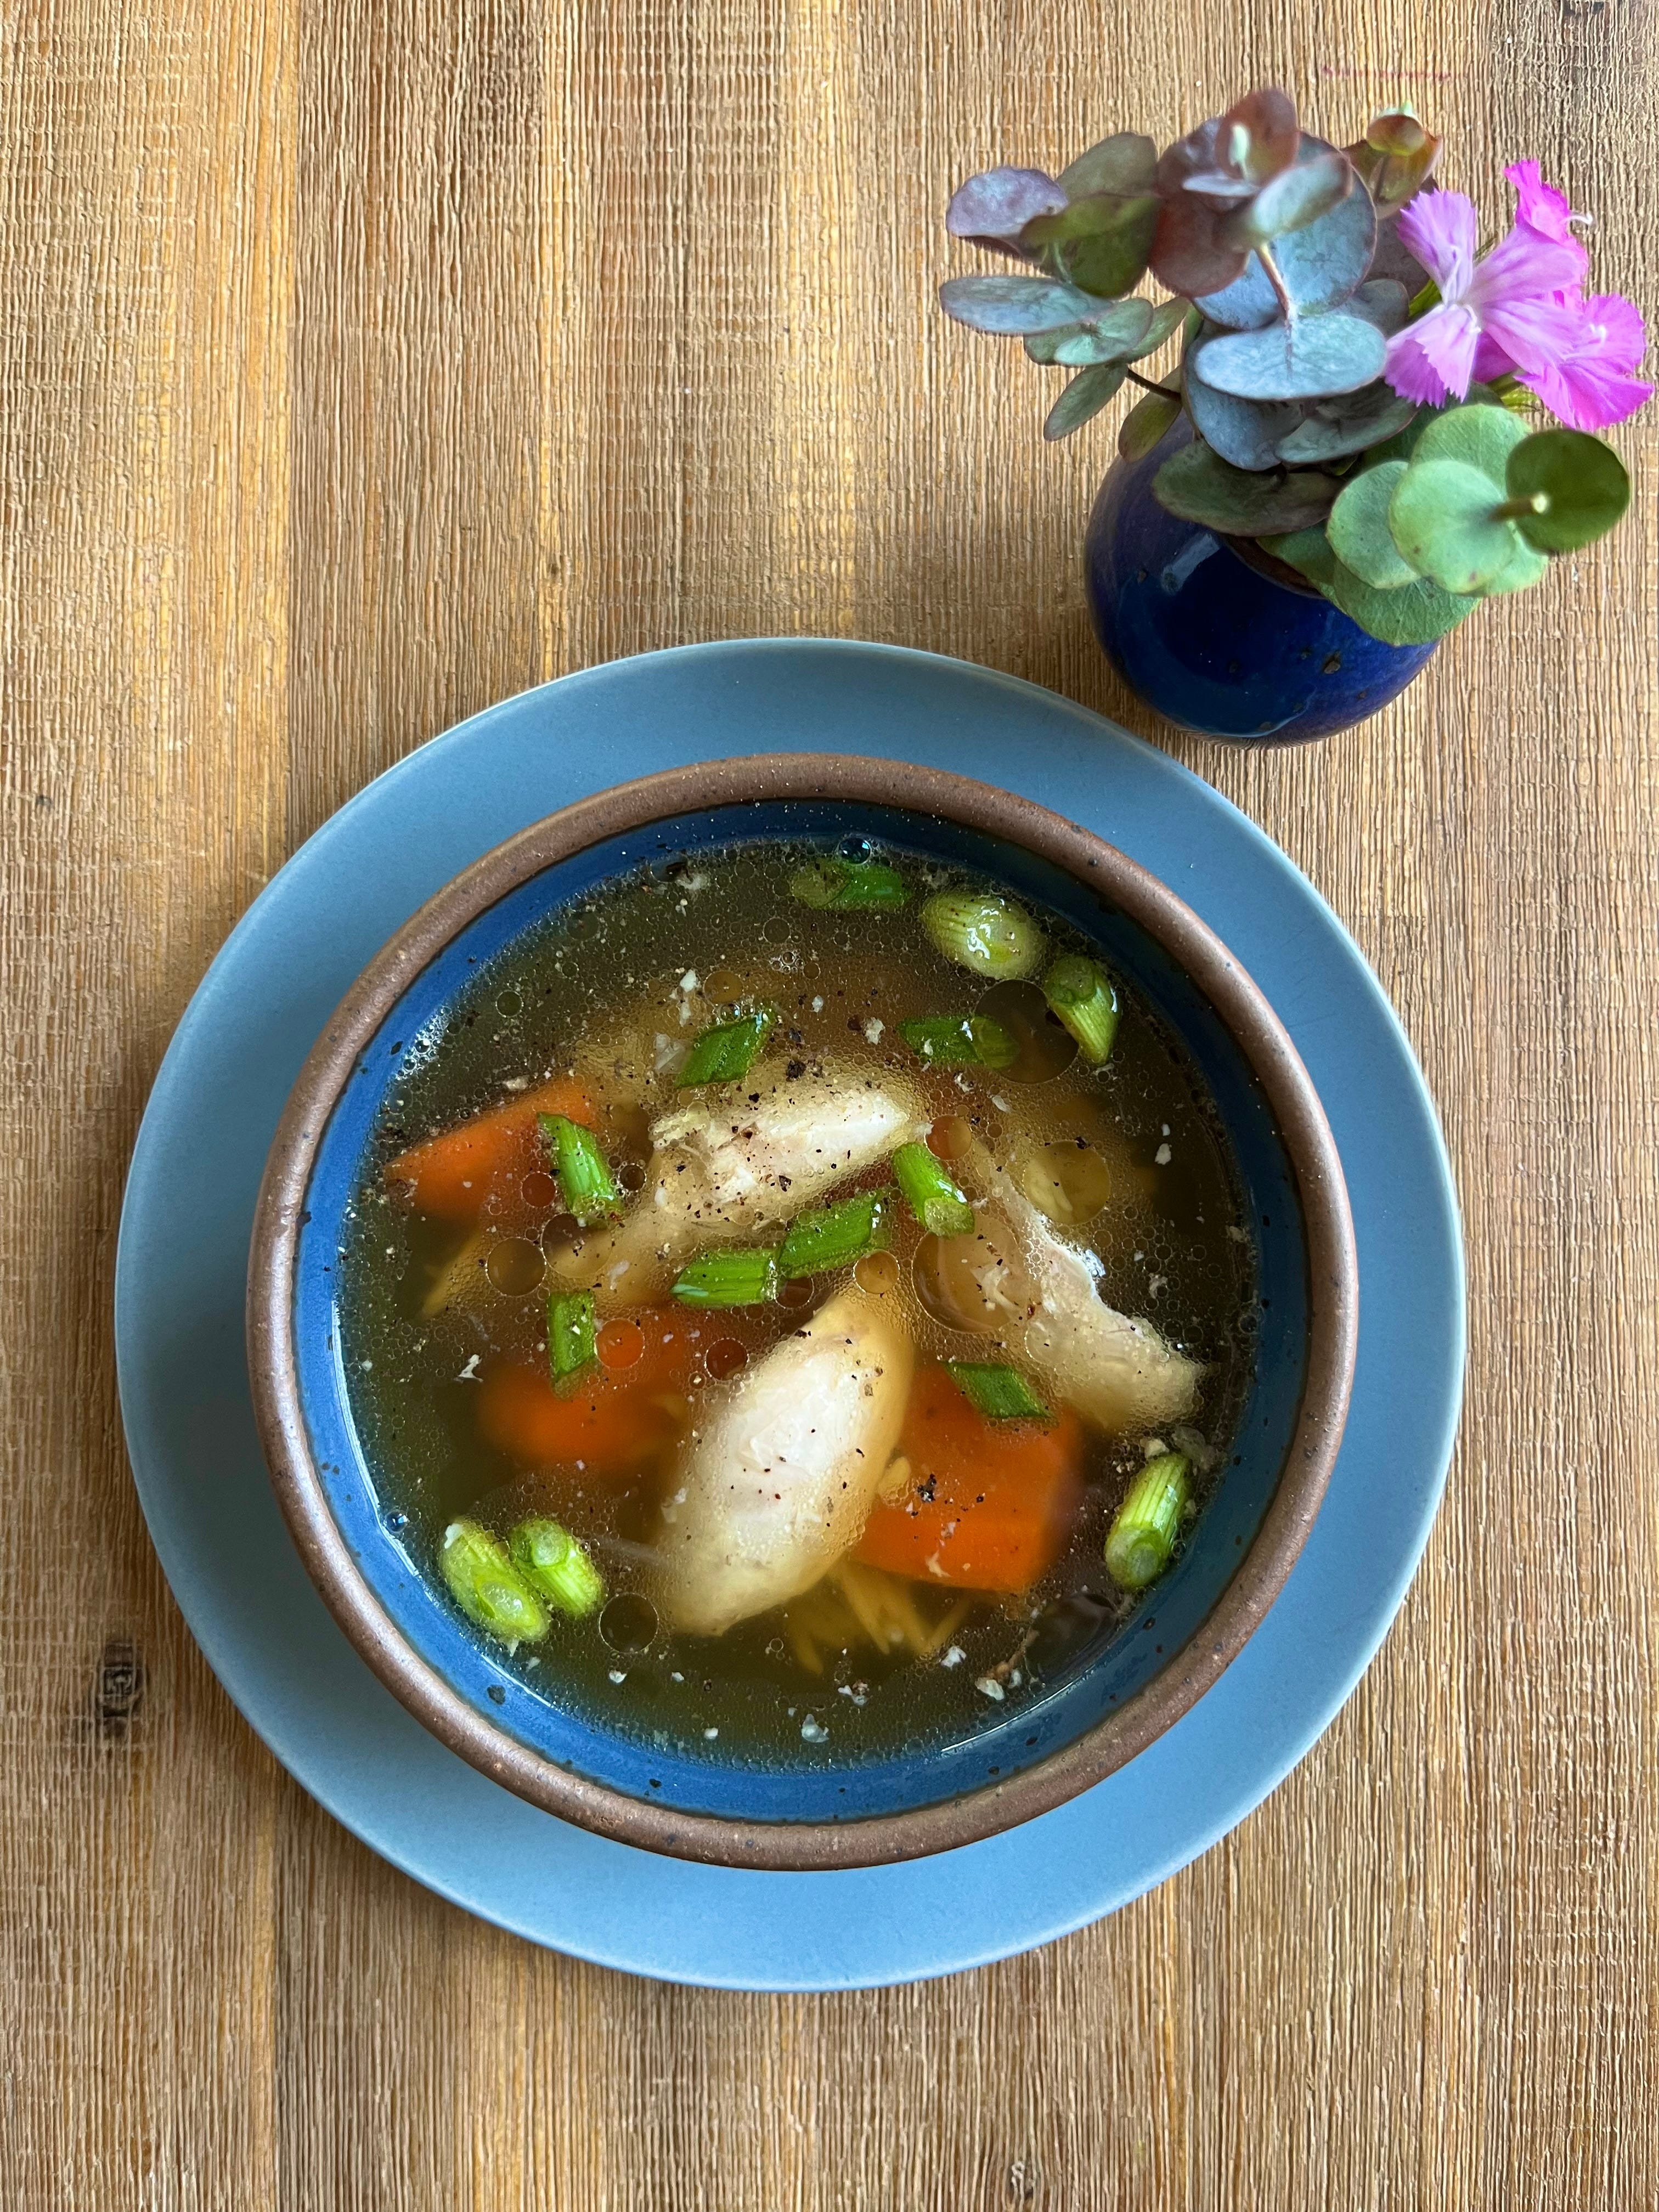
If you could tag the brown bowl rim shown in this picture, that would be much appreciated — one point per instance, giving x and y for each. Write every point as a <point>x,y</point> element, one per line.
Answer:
<point>1259,1574</point>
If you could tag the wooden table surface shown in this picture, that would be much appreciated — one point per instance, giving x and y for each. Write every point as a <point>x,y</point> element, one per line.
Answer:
<point>359,364</point>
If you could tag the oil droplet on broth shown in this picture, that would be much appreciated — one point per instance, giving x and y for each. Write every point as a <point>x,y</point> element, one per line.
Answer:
<point>515,1267</point>
<point>1043,1047</point>
<point>1069,1182</point>
<point>974,1283</point>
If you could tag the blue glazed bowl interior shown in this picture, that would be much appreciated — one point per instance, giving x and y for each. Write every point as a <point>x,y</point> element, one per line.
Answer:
<point>1100,1678</point>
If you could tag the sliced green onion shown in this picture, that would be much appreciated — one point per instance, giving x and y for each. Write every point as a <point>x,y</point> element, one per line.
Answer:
<point>1080,994</point>
<point>570,1333</point>
<point>727,1051</point>
<point>937,1202</point>
<point>728,1279</point>
<point>585,1178</point>
<point>1143,1535</point>
<point>1001,1393</point>
<point>840,884</point>
<point>834,1235</point>
<point>960,1040</point>
<point>487,1586</point>
<point>990,935</point>
<point>550,1557</point>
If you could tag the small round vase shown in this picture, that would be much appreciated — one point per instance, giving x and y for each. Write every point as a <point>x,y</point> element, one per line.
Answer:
<point>1216,635</point>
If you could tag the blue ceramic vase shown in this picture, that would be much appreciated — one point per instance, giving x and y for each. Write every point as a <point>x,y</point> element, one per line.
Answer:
<point>1214,636</point>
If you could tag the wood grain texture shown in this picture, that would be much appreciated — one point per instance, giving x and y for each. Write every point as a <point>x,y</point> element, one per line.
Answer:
<point>359,364</point>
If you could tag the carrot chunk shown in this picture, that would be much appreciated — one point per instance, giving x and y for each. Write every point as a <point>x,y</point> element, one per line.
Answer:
<point>613,1422</point>
<point>480,1168</point>
<point>986,1504</point>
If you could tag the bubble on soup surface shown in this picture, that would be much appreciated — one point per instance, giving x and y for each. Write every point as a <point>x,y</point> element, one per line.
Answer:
<point>515,1267</point>
<point>976,1283</point>
<point>1068,1182</point>
<point>629,1623</point>
<point>1043,1047</point>
<point>877,1273</point>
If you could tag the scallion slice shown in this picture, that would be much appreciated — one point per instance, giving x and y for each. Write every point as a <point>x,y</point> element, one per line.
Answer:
<point>960,1041</point>
<point>1001,1393</point>
<point>979,931</point>
<point>487,1586</point>
<point>936,1201</point>
<point>1080,994</point>
<point>731,1278</point>
<point>586,1182</point>
<point>726,1052</point>
<point>570,1323</point>
<point>839,885</point>
<point>549,1557</point>
<point>1143,1533</point>
<point>833,1235</point>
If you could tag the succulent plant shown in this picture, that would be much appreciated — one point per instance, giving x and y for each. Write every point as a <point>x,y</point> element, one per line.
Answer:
<point>1309,295</point>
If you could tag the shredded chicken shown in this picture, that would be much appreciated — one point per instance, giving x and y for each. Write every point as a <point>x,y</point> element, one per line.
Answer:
<point>1116,1371</point>
<point>727,1166</point>
<point>778,1487</point>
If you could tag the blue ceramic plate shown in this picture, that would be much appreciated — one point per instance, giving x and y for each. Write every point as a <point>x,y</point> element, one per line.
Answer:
<point>179,1296</point>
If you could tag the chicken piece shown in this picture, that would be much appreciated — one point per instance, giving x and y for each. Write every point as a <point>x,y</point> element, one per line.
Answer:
<point>1118,1373</point>
<point>778,1487</point>
<point>727,1166</point>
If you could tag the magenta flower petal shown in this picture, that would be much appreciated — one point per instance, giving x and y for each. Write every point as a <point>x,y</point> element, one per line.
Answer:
<point>1431,359</point>
<point>1541,208</point>
<point>1582,371</point>
<point>1523,266</point>
<point>1616,324</point>
<point>1490,361</point>
<point>1441,228</point>
<point>1587,395</point>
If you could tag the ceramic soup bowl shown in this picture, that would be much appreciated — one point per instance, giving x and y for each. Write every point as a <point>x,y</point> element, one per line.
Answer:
<point>1118,1694</point>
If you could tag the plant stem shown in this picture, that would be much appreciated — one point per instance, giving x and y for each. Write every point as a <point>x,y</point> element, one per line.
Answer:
<point>1264,254</point>
<point>1147,384</point>
<point>1536,502</point>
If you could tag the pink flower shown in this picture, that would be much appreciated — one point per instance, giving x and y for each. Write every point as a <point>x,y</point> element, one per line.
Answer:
<point>1589,384</point>
<point>1543,209</point>
<point>1508,297</point>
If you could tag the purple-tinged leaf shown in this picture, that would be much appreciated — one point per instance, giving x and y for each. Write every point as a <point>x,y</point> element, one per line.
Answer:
<point>1006,304</point>
<point>1351,423</point>
<point>1191,251</point>
<point>993,208</point>
<point>1125,164</point>
<point>1267,119</point>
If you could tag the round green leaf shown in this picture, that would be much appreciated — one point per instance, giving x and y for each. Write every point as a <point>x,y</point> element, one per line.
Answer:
<point>1125,163</point>
<point>1527,568</point>
<point>1111,337</point>
<point>1359,529</point>
<point>1016,304</point>
<point>1582,481</point>
<point>1416,614</point>
<point>1100,243</point>
<point>1200,486</point>
<point>1083,398</point>
<point>1480,437</point>
<point>1305,360</point>
<point>1444,519</point>
<point>1297,196</point>
<point>1144,424</point>
<point>1167,320</point>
